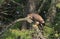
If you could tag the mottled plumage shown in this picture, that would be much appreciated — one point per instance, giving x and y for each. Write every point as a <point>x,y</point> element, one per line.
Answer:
<point>36,17</point>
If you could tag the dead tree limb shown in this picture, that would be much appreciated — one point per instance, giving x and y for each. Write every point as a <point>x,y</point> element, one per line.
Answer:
<point>18,20</point>
<point>39,10</point>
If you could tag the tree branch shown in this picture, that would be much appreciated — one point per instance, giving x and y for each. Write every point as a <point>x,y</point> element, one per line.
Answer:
<point>18,20</point>
<point>17,3</point>
<point>39,10</point>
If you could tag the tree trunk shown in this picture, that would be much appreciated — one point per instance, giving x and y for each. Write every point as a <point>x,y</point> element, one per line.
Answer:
<point>31,5</point>
<point>29,8</point>
<point>51,12</point>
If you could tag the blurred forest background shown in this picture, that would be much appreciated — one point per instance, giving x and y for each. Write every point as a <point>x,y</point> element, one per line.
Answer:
<point>11,10</point>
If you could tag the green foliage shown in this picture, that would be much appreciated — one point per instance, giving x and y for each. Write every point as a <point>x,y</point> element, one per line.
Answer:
<point>14,32</point>
<point>57,22</point>
<point>58,5</point>
<point>1,1</point>
<point>49,31</point>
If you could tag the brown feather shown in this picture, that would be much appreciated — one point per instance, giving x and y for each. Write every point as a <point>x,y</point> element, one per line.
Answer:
<point>36,17</point>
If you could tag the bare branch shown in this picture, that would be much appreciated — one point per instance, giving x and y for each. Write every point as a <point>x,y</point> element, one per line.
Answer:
<point>39,10</point>
<point>17,3</point>
<point>18,20</point>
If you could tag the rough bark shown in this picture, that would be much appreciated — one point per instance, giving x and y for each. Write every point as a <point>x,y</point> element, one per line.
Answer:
<point>51,12</point>
<point>32,9</point>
